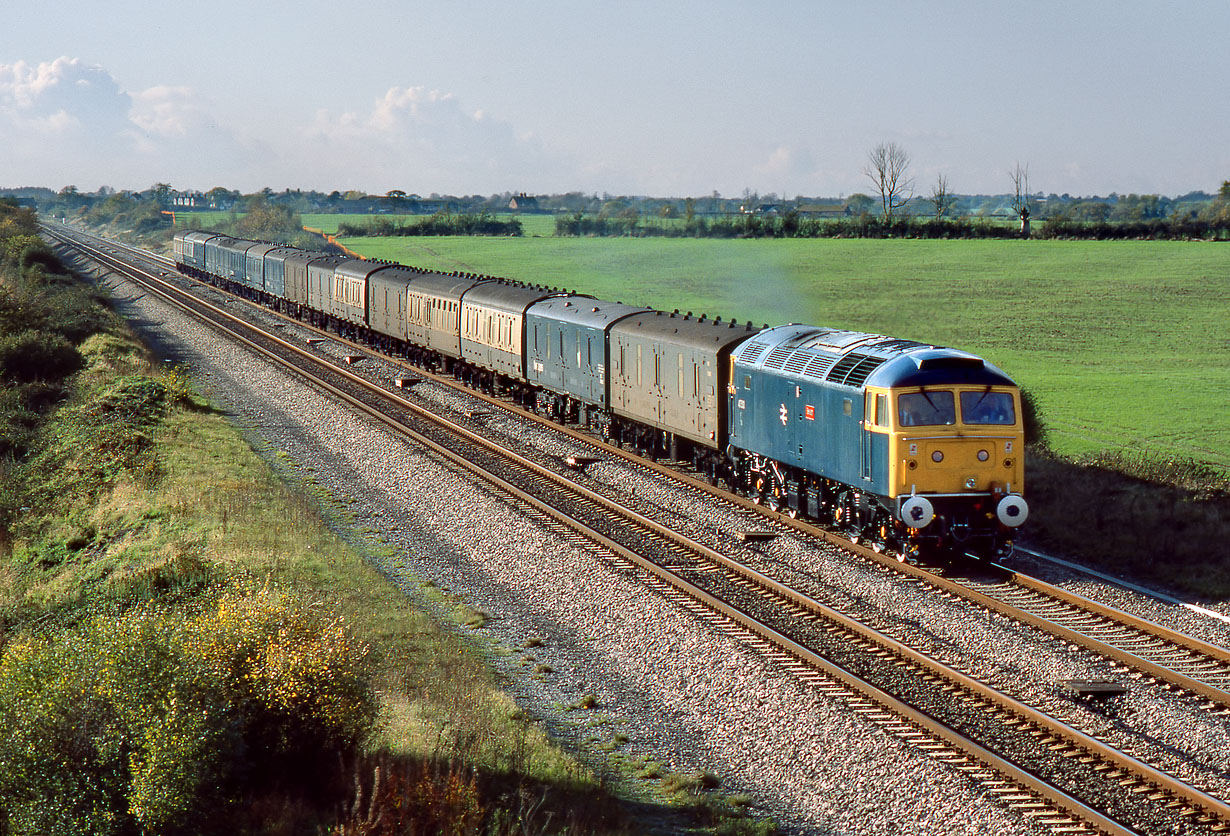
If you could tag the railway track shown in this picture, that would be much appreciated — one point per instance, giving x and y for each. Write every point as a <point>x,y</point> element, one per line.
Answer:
<point>1063,777</point>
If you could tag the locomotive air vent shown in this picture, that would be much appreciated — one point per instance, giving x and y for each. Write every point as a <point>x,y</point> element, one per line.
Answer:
<point>853,369</point>
<point>753,351</point>
<point>818,366</point>
<point>796,363</point>
<point>777,357</point>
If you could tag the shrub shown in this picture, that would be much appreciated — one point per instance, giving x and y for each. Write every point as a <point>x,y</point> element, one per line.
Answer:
<point>37,254</point>
<point>153,722</point>
<point>1031,418</point>
<point>30,356</point>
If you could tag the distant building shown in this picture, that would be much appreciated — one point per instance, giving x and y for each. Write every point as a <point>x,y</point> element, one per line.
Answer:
<point>523,203</point>
<point>187,200</point>
<point>824,210</point>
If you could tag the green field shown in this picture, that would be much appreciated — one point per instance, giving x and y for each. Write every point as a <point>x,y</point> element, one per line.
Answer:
<point>1124,344</point>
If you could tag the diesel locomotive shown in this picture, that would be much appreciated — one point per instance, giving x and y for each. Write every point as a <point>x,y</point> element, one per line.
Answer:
<point>907,446</point>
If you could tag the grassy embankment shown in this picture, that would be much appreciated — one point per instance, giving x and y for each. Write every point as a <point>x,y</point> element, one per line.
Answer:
<point>1122,345</point>
<point>187,648</point>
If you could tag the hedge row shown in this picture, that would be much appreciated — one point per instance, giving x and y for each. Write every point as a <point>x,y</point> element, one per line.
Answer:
<point>791,225</point>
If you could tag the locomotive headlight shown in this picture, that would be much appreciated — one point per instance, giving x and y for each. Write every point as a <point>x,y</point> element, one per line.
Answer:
<point>937,457</point>
<point>983,455</point>
<point>971,483</point>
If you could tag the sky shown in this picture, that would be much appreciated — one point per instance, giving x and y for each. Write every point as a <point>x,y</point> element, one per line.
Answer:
<point>661,98</point>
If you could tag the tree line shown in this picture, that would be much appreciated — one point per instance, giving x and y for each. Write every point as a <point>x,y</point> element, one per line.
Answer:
<point>867,225</point>
<point>440,223</point>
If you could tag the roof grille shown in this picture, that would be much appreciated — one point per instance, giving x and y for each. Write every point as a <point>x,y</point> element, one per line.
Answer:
<point>818,366</point>
<point>859,374</point>
<point>753,351</point>
<point>777,357</point>
<point>796,362</point>
<point>853,369</point>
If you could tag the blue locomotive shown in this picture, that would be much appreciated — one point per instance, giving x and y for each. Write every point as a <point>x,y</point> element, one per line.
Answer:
<point>906,445</point>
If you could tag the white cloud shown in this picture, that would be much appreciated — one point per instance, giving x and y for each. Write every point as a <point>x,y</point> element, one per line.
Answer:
<point>60,119</point>
<point>424,140</point>
<point>67,122</point>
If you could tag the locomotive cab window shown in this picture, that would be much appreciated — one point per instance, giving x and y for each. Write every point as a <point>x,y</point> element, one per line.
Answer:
<point>987,408</point>
<point>926,409</point>
<point>877,409</point>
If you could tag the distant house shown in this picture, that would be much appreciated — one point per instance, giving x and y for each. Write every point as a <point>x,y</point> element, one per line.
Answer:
<point>824,210</point>
<point>523,203</point>
<point>187,200</point>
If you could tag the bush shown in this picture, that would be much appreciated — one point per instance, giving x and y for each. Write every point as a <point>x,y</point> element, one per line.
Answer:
<point>151,722</point>
<point>30,356</point>
<point>441,223</point>
<point>1031,418</point>
<point>37,254</point>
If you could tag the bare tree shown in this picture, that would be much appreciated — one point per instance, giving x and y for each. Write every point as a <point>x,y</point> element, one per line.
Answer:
<point>888,167</point>
<point>1020,199</point>
<point>941,196</point>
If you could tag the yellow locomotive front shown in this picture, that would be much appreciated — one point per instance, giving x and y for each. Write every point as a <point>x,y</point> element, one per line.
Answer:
<point>956,462</point>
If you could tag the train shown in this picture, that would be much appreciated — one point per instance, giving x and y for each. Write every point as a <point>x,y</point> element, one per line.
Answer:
<point>906,446</point>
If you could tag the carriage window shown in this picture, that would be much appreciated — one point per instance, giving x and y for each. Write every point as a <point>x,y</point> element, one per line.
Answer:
<point>926,409</point>
<point>987,408</point>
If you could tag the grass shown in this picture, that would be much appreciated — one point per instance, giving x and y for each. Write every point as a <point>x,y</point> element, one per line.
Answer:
<point>1122,343</point>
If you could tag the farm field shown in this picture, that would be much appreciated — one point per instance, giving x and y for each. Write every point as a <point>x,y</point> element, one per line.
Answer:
<point>1123,344</point>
